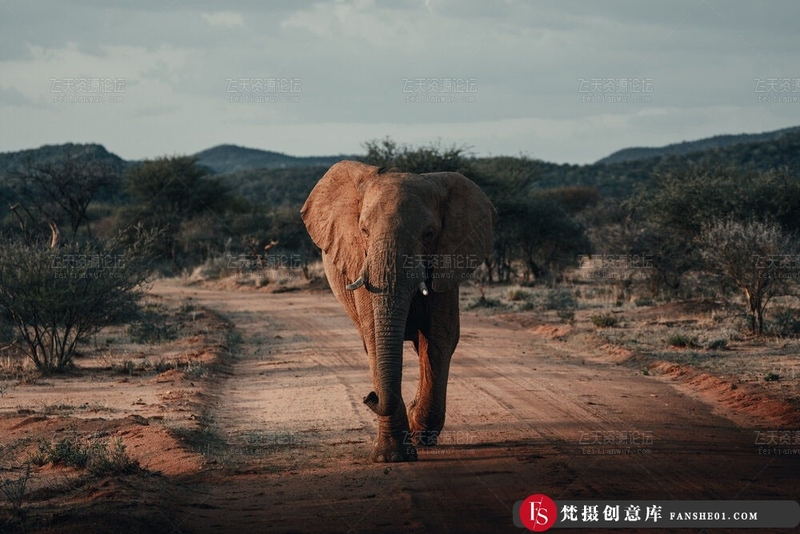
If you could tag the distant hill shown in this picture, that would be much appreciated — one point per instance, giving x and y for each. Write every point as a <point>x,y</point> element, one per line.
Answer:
<point>265,177</point>
<point>619,179</point>
<point>233,158</point>
<point>687,147</point>
<point>12,161</point>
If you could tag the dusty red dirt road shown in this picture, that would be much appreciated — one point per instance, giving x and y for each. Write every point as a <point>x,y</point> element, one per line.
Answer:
<point>289,438</point>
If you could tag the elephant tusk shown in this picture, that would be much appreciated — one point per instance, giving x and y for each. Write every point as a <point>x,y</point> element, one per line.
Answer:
<point>423,289</point>
<point>355,285</point>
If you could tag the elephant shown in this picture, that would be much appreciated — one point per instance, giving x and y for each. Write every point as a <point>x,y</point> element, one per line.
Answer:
<point>395,247</point>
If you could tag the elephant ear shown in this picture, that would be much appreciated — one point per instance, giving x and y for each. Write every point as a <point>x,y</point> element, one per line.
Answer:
<point>466,237</point>
<point>331,215</point>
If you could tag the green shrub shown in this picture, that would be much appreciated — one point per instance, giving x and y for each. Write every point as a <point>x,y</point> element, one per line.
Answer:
<point>604,320</point>
<point>483,302</point>
<point>58,297</point>
<point>69,451</point>
<point>106,460</point>
<point>567,316</point>
<point>96,457</point>
<point>560,299</point>
<point>681,340</point>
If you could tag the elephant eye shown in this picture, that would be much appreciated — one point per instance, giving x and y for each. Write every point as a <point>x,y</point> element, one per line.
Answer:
<point>365,231</point>
<point>428,233</point>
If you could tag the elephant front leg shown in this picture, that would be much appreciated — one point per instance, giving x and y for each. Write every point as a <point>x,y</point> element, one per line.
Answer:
<point>434,345</point>
<point>427,411</point>
<point>394,442</point>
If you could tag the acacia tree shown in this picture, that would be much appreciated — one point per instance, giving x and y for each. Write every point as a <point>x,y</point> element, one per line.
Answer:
<point>171,194</point>
<point>432,158</point>
<point>756,257</point>
<point>59,194</point>
<point>542,234</point>
<point>670,213</point>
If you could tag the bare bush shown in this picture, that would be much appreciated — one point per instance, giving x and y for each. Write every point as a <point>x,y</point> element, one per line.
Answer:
<point>15,489</point>
<point>758,258</point>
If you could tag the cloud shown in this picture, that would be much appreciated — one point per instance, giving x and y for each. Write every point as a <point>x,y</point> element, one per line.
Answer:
<point>359,22</point>
<point>11,96</point>
<point>353,56</point>
<point>228,19</point>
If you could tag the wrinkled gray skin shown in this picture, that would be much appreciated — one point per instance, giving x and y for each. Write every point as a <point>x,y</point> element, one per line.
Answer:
<point>373,228</point>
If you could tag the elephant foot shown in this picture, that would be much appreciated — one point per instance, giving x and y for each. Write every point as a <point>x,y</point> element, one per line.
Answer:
<point>425,435</point>
<point>387,451</point>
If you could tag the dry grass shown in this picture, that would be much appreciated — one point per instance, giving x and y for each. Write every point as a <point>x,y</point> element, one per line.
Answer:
<point>291,276</point>
<point>709,336</point>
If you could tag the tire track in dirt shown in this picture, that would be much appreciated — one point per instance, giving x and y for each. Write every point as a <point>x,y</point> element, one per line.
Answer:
<point>520,418</point>
<point>288,366</point>
<point>539,414</point>
<point>678,479</point>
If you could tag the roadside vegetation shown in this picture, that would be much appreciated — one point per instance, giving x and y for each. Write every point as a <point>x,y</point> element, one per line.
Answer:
<point>85,231</point>
<point>674,265</point>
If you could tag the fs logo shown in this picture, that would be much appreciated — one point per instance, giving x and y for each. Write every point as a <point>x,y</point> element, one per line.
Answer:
<point>538,512</point>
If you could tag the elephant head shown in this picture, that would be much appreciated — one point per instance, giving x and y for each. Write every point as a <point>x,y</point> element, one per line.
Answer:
<point>387,238</point>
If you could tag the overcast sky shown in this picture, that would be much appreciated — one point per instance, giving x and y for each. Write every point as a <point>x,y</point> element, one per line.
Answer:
<point>563,81</point>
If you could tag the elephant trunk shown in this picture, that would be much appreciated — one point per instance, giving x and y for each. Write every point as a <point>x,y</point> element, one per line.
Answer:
<point>391,300</point>
<point>388,368</point>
